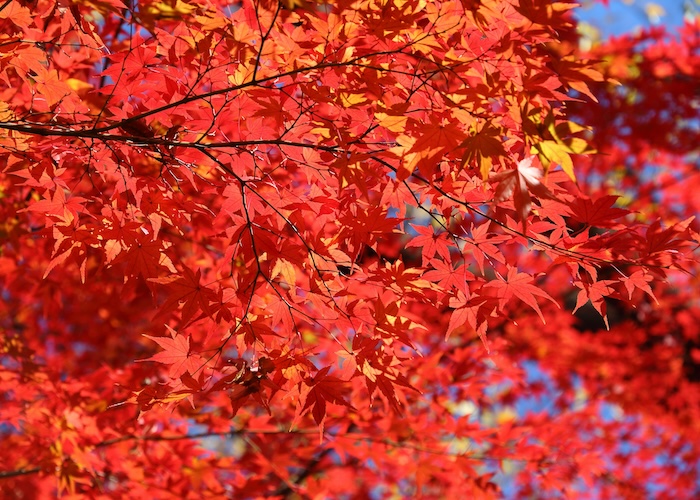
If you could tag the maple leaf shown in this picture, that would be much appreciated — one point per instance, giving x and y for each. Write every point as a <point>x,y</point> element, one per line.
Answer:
<point>660,242</point>
<point>187,290</point>
<point>286,271</point>
<point>432,141</point>
<point>467,313</point>
<point>318,390</point>
<point>17,13</point>
<point>639,279</point>
<point>380,370</point>
<point>598,213</point>
<point>50,85</point>
<point>176,353</point>
<point>484,245</point>
<point>144,257</point>
<point>595,293</point>
<point>240,394</point>
<point>518,183</point>
<point>482,147</point>
<point>392,324</point>
<point>446,275</point>
<point>252,385</point>
<point>431,243</point>
<point>519,285</point>
<point>58,207</point>
<point>280,312</point>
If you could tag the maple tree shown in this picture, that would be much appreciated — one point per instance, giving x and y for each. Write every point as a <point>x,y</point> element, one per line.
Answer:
<point>345,249</point>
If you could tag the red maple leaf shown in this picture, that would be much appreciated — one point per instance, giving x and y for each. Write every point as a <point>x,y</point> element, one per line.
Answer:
<point>484,245</point>
<point>466,312</point>
<point>639,279</point>
<point>57,207</point>
<point>431,242</point>
<point>598,213</point>
<point>176,353</point>
<point>144,257</point>
<point>518,285</point>
<point>447,276</point>
<point>318,390</point>
<point>187,290</point>
<point>595,293</point>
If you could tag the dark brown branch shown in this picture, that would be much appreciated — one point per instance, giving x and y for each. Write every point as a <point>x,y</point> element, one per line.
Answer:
<point>19,472</point>
<point>158,141</point>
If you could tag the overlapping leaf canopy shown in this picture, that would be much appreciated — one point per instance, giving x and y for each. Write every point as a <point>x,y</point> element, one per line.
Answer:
<point>330,233</point>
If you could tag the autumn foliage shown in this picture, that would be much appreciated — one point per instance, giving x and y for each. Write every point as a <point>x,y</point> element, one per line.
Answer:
<point>371,248</point>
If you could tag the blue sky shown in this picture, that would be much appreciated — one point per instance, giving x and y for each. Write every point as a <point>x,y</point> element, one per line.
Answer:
<point>625,16</point>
